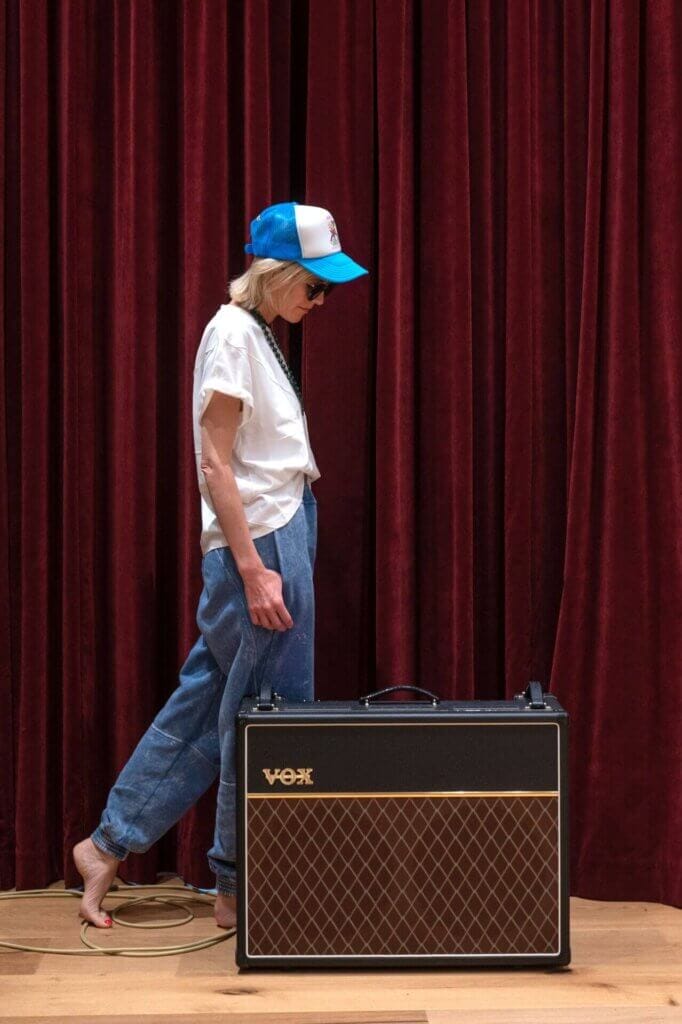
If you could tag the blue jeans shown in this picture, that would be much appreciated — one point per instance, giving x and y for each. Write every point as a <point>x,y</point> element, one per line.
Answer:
<point>192,738</point>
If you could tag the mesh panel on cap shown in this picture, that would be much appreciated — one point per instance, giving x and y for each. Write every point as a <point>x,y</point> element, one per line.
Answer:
<point>274,232</point>
<point>280,228</point>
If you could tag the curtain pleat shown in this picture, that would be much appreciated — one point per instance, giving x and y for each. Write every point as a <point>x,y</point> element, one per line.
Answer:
<point>36,433</point>
<point>339,356</point>
<point>496,410</point>
<point>397,613</point>
<point>444,392</point>
<point>485,86</point>
<point>78,580</point>
<point>7,718</point>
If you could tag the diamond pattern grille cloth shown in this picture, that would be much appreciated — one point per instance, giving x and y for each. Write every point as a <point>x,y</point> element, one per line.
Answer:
<point>409,875</point>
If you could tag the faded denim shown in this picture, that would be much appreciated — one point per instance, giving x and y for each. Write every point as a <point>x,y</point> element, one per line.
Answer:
<point>193,736</point>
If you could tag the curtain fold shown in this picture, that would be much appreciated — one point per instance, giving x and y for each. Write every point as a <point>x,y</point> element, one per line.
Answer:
<point>445,393</point>
<point>339,353</point>
<point>35,444</point>
<point>496,410</point>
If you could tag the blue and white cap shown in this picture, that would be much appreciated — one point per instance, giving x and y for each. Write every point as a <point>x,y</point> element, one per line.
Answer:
<point>306,235</point>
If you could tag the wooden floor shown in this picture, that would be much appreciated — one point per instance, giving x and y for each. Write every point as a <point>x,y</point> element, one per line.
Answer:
<point>626,967</point>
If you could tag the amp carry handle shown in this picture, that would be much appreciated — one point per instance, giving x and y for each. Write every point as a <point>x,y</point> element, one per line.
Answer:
<point>391,689</point>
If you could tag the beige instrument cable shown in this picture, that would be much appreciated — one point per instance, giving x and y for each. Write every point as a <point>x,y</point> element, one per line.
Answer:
<point>136,951</point>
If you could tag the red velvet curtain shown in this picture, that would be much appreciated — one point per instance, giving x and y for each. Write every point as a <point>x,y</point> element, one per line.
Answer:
<point>496,410</point>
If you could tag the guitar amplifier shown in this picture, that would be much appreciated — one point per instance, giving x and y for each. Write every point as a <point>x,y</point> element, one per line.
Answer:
<point>419,833</point>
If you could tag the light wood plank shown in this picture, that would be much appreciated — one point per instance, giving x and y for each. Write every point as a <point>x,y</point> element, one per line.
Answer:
<point>249,1018</point>
<point>639,1015</point>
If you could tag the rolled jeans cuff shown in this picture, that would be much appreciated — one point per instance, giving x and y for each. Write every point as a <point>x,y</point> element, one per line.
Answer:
<point>102,842</point>
<point>226,887</point>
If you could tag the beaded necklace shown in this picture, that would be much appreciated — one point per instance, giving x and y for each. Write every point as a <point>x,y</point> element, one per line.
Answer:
<point>279,355</point>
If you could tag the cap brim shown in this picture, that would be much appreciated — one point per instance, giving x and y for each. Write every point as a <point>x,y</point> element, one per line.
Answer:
<point>336,268</point>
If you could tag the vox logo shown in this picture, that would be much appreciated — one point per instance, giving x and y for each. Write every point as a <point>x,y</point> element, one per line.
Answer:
<point>289,776</point>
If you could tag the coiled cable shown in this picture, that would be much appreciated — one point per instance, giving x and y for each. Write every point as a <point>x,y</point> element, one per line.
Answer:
<point>133,951</point>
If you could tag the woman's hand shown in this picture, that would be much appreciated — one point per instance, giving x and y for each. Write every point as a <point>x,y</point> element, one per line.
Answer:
<point>263,589</point>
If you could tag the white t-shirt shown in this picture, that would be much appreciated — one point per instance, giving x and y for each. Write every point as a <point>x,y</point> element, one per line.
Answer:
<point>271,457</point>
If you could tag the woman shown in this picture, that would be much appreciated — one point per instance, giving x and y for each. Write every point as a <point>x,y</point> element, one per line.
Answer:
<point>259,527</point>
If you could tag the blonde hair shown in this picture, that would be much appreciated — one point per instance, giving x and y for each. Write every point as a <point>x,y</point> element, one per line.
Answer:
<point>264,277</point>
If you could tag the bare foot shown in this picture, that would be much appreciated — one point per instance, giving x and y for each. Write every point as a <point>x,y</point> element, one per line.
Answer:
<point>98,870</point>
<point>225,910</point>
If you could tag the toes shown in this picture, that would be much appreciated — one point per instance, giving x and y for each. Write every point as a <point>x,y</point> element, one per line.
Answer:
<point>101,920</point>
<point>91,910</point>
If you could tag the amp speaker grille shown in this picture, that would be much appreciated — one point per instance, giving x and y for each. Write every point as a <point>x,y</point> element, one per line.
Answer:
<point>402,875</point>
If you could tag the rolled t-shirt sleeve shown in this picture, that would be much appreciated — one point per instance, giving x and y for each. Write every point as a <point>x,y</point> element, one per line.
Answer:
<point>227,369</point>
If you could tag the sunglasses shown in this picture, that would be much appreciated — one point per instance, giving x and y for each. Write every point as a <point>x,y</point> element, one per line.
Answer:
<point>319,288</point>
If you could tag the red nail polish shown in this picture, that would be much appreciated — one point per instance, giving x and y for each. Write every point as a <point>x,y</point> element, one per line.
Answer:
<point>108,922</point>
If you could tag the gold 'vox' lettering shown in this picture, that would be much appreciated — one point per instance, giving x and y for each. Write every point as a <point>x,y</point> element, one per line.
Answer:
<point>289,776</point>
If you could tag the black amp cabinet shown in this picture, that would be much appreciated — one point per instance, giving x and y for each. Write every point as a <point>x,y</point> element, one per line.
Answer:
<point>420,833</point>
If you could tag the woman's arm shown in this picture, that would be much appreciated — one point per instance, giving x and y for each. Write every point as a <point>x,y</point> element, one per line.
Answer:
<point>263,587</point>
